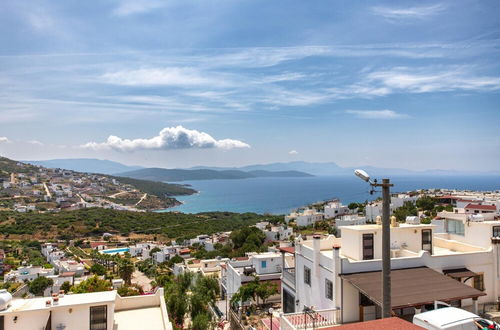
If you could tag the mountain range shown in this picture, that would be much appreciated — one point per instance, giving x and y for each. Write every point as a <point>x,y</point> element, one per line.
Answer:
<point>283,169</point>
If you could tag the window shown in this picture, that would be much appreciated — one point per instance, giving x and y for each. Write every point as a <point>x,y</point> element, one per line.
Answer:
<point>455,227</point>
<point>289,302</point>
<point>367,246</point>
<point>99,317</point>
<point>328,289</point>
<point>263,264</point>
<point>496,231</point>
<point>479,282</point>
<point>427,240</point>
<point>2,320</point>
<point>307,275</point>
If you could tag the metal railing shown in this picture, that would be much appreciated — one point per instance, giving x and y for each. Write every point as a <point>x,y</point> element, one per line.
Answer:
<point>316,320</point>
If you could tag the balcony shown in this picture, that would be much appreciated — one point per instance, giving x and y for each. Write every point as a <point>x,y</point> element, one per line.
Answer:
<point>315,320</point>
<point>289,277</point>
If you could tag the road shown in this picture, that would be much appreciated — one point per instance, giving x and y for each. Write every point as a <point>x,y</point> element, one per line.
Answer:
<point>47,190</point>
<point>140,278</point>
<point>140,200</point>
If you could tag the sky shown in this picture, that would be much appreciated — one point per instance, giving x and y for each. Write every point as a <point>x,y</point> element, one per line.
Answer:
<point>180,83</point>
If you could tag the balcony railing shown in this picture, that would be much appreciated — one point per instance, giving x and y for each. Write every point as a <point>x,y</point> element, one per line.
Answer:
<point>316,320</point>
<point>289,276</point>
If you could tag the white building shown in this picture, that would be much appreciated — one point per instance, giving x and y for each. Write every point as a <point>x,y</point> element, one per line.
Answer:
<point>349,220</point>
<point>238,271</point>
<point>341,277</point>
<point>275,233</point>
<point>69,266</point>
<point>28,273</point>
<point>142,250</point>
<point>86,311</point>
<point>398,199</point>
<point>305,218</point>
<point>334,209</point>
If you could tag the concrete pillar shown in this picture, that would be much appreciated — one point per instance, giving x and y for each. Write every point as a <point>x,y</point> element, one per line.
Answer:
<point>316,254</point>
<point>474,306</point>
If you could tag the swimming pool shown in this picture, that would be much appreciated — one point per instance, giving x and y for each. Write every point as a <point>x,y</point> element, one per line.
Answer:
<point>114,251</point>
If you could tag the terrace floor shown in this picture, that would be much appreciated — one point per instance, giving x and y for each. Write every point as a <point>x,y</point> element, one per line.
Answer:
<point>142,318</point>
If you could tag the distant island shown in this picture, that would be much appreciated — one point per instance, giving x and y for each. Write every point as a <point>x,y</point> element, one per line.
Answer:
<point>174,175</point>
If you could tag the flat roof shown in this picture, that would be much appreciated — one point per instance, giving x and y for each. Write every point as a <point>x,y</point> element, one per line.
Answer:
<point>391,323</point>
<point>412,287</point>
<point>379,227</point>
<point>19,305</point>
<point>142,318</point>
<point>446,316</point>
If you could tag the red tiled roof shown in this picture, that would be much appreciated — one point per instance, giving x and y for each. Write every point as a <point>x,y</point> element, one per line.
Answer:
<point>185,251</point>
<point>196,261</point>
<point>241,258</point>
<point>392,323</point>
<point>96,244</point>
<point>288,249</point>
<point>481,207</point>
<point>67,274</point>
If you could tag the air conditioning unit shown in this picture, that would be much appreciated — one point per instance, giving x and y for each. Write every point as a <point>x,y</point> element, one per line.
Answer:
<point>476,218</point>
<point>412,220</point>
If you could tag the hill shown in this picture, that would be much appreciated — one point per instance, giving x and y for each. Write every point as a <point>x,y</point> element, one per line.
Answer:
<point>96,221</point>
<point>162,174</point>
<point>86,165</point>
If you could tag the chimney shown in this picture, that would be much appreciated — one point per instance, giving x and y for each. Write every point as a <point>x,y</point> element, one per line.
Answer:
<point>378,220</point>
<point>394,222</point>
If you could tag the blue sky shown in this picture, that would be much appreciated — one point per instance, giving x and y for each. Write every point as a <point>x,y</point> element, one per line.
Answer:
<point>411,84</point>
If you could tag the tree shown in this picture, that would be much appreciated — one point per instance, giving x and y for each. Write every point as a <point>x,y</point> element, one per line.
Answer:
<point>125,269</point>
<point>202,321</point>
<point>265,290</point>
<point>66,287</point>
<point>426,203</point>
<point>352,206</point>
<point>93,284</point>
<point>98,269</point>
<point>407,209</point>
<point>154,250</point>
<point>39,284</point>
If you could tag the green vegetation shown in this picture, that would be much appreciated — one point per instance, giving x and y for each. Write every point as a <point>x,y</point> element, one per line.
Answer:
<point>66,286</point>
<point>93,284</point>
<point>98,269</point>
<point>96,221</point>
<point>254,290</point>
<point>125,269</point>
<point>156,188</point>
<point>8,166</point>
<point>39,284</point>
<point>408,209</point>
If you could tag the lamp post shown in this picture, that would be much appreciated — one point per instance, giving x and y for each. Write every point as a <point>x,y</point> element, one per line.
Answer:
<point>271,311</point>
<point>386,239</point>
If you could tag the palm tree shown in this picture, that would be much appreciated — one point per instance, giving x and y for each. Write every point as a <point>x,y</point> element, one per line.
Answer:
<point>125,269</point>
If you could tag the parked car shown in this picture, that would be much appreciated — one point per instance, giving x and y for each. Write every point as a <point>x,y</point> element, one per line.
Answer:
<point>451,318</point>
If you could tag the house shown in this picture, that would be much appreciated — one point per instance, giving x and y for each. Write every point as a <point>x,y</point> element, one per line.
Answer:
<point>334,209</point>
<point>64,266</point>
<point>305,218</point>
<point>341,277</point>
<point>85,311</point>
<point>238,271</point>
<point>28,273</point>
<point>142,250</point>
<point>349,220</point>
<point>275,233</point>
<point>479,208</point>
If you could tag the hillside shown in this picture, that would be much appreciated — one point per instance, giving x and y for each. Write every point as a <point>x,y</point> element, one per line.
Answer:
<point>86,165</point>
<point>162,174</point>
<point>96,221</point>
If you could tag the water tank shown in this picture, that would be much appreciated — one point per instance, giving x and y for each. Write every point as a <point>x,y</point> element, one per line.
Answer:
<point>5,299</point>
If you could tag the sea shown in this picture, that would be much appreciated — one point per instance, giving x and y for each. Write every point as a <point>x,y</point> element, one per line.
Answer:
<point>282,195</point>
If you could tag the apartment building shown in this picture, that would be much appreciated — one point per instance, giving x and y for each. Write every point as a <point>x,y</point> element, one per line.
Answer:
<point>238,271</point>
<point>340,278</point>
<point>86,311</point>
<point>334,209</point>
<point>275,232</point>
<point>349,220</point>
<point>305,217</point>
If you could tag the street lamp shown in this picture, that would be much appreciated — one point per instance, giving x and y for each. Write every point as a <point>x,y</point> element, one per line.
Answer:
<point>271,311</point>
<point>386,238</point>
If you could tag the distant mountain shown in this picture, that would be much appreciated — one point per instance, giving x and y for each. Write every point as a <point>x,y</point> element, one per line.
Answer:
<point>331,168</point>
<point>162,174</point>
<point>86,165</point>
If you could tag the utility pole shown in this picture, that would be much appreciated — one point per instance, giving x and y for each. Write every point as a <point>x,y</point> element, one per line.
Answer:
<point>386,246</point>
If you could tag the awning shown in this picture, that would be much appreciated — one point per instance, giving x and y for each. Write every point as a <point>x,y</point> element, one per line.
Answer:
<point>412,287</point>
<point>459,273</point>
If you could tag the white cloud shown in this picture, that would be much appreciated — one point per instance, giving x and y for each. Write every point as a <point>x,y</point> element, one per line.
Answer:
<point>431,80</point>
<point>168,138</point>
<point>130,7</point>
<point>293,152</point>
<point>410,12</point>
<point>4,139</point>
<point>35,142</point>
<point>376,114</point>
<point>169,76</point>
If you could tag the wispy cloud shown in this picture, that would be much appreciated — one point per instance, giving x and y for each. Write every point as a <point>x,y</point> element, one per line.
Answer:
<point>293,152</point>
<point>376,114</point>
<point>170,76</point>
<point>131,7</point>
<point>4,139</point>
<point>168,138</point>
<point>35,142</point>
<point>431,79</point>
<point>409,12</point>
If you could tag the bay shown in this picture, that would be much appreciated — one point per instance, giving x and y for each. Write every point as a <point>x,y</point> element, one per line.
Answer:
<point>281,195</point>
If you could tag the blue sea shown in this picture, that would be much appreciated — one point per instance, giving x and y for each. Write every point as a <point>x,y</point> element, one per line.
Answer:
<point>281,195</point>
